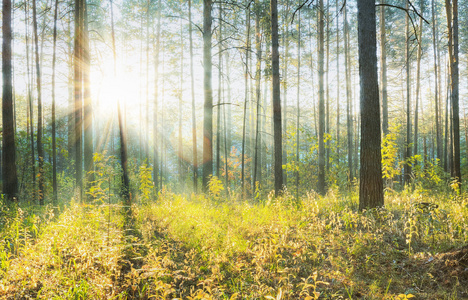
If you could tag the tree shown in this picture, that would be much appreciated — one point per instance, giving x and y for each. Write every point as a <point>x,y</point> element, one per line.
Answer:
<point>276,97</point>
<point>383,69</point>
<point>451,7</point>
<point>192,86</point>
<point>54,141</point>
<point>208,92</point>
<point>371,185</point>
<point>40,146</point>
<point>10,179</point>
<point>78,58</point>
<point>408,100</point>
<point>321,112</point>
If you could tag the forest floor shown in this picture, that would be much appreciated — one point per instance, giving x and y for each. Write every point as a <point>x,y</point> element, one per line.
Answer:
<point>201,247</point>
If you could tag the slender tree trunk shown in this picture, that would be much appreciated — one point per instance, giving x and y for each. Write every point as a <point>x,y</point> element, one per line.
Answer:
<point>54,142</point>
<point>418,81</point>
<point>40,147</point>
<point>156,95</point>
<point>208,106</point>
<point>30,107</point>
<point>258,74</point>
<point>276,97</point>
<point>246,100</point>
<point>192,85</point>
<point>87,105</point>
<point>298,109</point>
<point>383,69</point>
<point>436,81</point>
<point>408,101</point>
<point>78,96</point>
<point>349,112</point>
<point>371,185</point>
<point>180,150</point>
<point>327,91</point>
<point>337,82</point>
<point>285,90</point>
<point>321,112</point>
<point>10,179</point>
<point>452,21</point>
<point>218,114</point>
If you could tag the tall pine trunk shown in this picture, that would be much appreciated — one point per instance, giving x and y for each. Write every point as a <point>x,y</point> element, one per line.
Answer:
<point>276,97</point>
<point>208,91</point>
<point>321,110</point>
<point>40,146</point>
<point>10,179</point>
<point>371,184</point>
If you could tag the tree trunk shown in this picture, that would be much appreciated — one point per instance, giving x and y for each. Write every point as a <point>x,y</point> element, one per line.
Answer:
<point>436,81</point>
<point>40,147</point>
<point>337,82</point>
<point>371,185</point>
<point>54,142</point>
<point>208,106</point>
<point>276,97</point>
<point>408,101</point>
<point>349,116</point>
<point>258,74</point>
<point>246,100</point>
<point>418,80</point>
<point>218,114</point>
<point>383,69</point>
<point>78,96</point>
<point>192,85</point>
<point>10,179</point>
<point>30,108</point>
<point>321,112</point>
<point>87,105</point>
<point>156,96</point>
<point>298,110</point>
<point>180,151</point>
<point>452,21</point>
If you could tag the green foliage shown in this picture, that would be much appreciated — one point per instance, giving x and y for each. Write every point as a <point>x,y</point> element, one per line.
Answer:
<point>104,171</point>
<point>146,184</point>
<point>215,187</point>
<point>390,166</point>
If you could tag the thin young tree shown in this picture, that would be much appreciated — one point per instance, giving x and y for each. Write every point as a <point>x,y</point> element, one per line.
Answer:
<point>208,91</point>
<point>10,179</point>
<point>383,69</point>
<point>276,97</point>
<point>40,146</point>
<point>407,168</point>
<point>349,101</point>
<point>451,7</point>
<point>321,110</point>
<point>78,85</point>
<point>192,89</point>
<point>435,39</point>
<point>371,185</point>
<point>258,75</point>
<point>156,98</point>
<point>54,140</point>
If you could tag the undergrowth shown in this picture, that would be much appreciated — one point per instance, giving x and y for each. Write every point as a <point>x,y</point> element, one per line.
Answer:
<point>210,247</point>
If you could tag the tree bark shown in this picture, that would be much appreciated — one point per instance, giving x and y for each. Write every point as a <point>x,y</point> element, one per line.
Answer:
<point>452,22</point>
<point>78,62</point>
<point>435,39</point>
<point>156,95</point>
<point>321,112</point>
<point>371,185</point>
<point>10,179</point>
<point>408,154</point>
<point>383,69</point>
<point>208,91</point>
<point>258,75</point>
<point>349,110</point>
<point>40,146</point>
<point>192,85</point>
<point>276,97</point>
<point>54,142</point>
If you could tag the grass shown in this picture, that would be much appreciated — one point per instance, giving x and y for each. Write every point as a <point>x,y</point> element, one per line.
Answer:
<point>204,247</point>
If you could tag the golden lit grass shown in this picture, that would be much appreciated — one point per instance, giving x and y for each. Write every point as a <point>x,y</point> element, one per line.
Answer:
<point>207,247</point>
